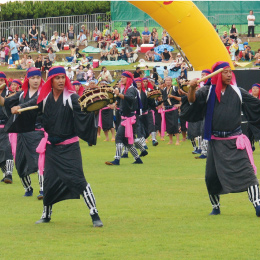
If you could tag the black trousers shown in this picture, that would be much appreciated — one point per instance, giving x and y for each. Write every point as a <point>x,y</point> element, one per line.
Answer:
<point>251,28</point>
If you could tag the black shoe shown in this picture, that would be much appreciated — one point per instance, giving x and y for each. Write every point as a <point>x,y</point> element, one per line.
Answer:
<point>40,196</point>
<point>8,179</point>
<point>138,161</point>
<point>43,220</point>
<point>96,220</point>
<point>3,179</point>
<point>143,153</point>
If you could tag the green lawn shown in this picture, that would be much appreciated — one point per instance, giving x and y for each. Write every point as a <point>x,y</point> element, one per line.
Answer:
<point>158,210</point>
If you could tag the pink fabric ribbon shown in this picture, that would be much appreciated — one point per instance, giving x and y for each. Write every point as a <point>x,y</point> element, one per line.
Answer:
<point>242,143</point>
<point>163,125</point>
<point>100,117</point>
<point>128,124</point>
<point>41,149</point>
<point>13,142</point>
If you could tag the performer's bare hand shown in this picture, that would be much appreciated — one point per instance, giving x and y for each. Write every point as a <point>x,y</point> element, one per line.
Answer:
<point>193,83</point>
<point>182,93</point>
<point>116,91</point>
<point>15,109</point>
<point>111,106</point>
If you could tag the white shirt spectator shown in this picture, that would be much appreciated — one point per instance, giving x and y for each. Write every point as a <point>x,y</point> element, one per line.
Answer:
<point>70,74</point>
<point>82,37</point>
<point>251,23</point>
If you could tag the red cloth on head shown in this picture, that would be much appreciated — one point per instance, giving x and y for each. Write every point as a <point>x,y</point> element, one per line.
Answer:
<point>129,82</point>
<point>140,80</point>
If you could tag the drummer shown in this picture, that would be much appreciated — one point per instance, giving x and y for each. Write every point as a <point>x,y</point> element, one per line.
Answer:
<point>91,85</point>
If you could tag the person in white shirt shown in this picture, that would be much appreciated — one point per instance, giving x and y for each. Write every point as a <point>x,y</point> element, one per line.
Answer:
<point>82,39</point>
<point>70,74</point>
<point>105,75</point>
<point>251,24</point>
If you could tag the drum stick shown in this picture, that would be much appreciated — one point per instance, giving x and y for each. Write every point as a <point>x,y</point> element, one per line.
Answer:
<point>209,76</point>
<point>27,108</point>
<point>2,86</point>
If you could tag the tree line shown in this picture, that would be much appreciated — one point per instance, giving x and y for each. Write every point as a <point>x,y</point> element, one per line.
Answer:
<point>32,10</point>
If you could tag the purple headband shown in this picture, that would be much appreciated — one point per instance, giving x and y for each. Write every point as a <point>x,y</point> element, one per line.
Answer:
<point>222,65</point>
<point>138,80</point>
<point>145,78</point>
<point>256,85</point>
<point>76,83</point>
<point>33,72</point>
<point>2,75</point>
<point>206,71</point>
<point>127,75</point>
<point>17,82</point>
<point>56,70</point>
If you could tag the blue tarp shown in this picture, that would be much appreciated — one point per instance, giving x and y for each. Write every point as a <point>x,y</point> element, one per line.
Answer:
<point>159,49</point>
<point>114,63</point>
<point>173,74</point>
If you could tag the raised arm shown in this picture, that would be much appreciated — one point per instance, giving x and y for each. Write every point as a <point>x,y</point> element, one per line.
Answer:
<point>191,94</point>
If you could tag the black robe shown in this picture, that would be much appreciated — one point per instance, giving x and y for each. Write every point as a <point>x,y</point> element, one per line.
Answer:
<point>63,171</point>
<point>107,119</point>
<point>26,158</point>
<point>228,169</point>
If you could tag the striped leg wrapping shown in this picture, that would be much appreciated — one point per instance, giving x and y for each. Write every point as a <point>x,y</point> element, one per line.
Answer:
<point>9,167</point>
<point>142,140</point>
<point>90,200</point>
<point>26,182</point>
<point>199,142</point>
<point>253,195</point>
<point>119,149</point>
<point>153,134</point>
<point>193,142</point>
<point>125,150</point>
<point>40,179</point>
<point>134,152</point>
<point>204,147</point>
<point>139,145</point>
<point>214,199</point>
<point>47,211</point>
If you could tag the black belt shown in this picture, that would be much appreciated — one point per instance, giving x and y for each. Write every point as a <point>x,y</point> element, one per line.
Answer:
<point>223,134</point>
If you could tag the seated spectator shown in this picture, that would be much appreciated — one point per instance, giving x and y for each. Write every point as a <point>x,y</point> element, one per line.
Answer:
<point>122,55</point>
<point>53,45</point>
<point>234,51</point>
<point>84,60</point>
<point>23,62</point>
<point>146,72</point>
<point>125,40</point>
<point>127,33</point>
<point>116,38</point>
<point>138,73</point>
<point>51,56</point>
<point>179,61</point>
<point>135,37</point>
<point>146,36</point>
<point>257,58</point>
<point>90,74</point>
<point>113,53</point>
<point>103,53</point>
<point>101,41</point>
<point>247,54</point>
<point>7,49</point>
<point>166,39</point>
<point>24,45</point>
<point>165,72</point>
<point>154,37</point>
<point>29,62</point>
<point>225,39</point>
<point>150,55</point>
<point>85,31</point>
<point>233,33</point>
<point>44,45</point>
<point>108,40</point>
<point>106,31</point>
<point>105,75</point>
<point>81,74</point>
<point>16,37</point>
<point>78,54</point>
<point>72,57</point>
<point>95,34</point>
<point>34,43</point>
<point>13,49</point>
<point>71,35</point>
<point>63,40</point>
<point>38,63</point>
<point>166,56</point>
<point>70,74</point>
<point>3,40</point>
<point>47,66</point>
<point>57,38</point>
<point>129,51</point>
<point>82,39</point>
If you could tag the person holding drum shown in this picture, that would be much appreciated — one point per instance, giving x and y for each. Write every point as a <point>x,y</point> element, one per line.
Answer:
<point>60,156</point>
<point>128,103</point>
<point>24,144</point>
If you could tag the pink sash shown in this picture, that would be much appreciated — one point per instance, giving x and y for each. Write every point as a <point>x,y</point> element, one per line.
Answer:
<point>41,149</point>
<point>128,124</point>
<point>100,116</point>
<point>163,125</point>
<point>242,143</point>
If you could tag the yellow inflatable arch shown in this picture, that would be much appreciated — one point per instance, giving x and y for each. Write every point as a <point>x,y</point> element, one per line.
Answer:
<point>190,29</point>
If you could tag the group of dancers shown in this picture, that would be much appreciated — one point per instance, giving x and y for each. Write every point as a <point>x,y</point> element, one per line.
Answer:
<point>46,139</point>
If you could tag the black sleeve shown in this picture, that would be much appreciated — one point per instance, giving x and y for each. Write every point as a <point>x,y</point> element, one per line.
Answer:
<point>11,102</point>
<point>86,124</point>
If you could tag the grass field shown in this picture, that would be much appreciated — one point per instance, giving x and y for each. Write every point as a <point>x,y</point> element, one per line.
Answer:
<point>158,210</point>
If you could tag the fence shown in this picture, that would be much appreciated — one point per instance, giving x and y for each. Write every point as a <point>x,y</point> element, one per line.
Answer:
<point>51,24</point>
